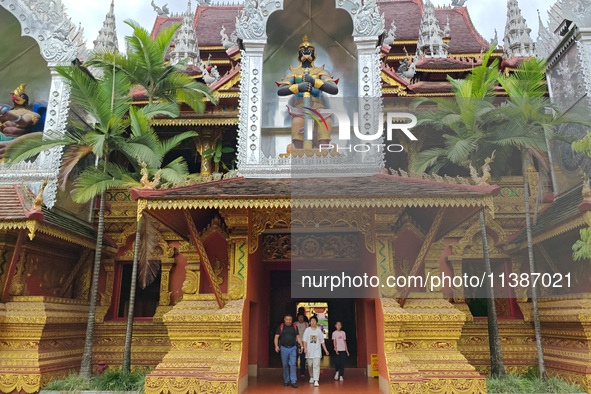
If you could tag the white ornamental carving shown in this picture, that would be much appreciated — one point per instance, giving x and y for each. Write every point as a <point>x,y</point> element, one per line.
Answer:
<point>367,20</point>
<point>577,11</point>
<point>251,22</point>
<point>60,42</point>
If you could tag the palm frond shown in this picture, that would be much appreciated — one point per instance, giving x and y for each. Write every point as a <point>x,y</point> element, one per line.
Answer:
<point>174,141</point>
<point>167,109</point>
<point>93,182</point>
<point>147,266</point>
<point>30,145</point>
<point>175,171</point>
<point>71,158</point>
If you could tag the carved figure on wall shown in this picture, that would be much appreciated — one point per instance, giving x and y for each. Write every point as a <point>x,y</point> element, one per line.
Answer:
<point>21,118</point>
<point>307,83</point>
<point>390,35</point>
<point>228,42</point>
<point>209,71</point>
<point>161,11</point>
<point>486,176</point>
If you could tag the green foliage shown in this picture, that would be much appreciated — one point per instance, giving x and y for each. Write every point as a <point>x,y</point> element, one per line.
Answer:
<point>583,145</point>
<point>464,119</point>
<point>530,383</point>
<point>110,380</point>
<point>216,153</point>
<point>144,66</point>
<point>582,248</point>
<point>72,382</point>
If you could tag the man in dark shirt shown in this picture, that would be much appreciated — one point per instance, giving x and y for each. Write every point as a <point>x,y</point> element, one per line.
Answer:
<point>287,338</point>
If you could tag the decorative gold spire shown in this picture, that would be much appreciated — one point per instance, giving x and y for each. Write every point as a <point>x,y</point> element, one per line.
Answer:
<point>305,43</point>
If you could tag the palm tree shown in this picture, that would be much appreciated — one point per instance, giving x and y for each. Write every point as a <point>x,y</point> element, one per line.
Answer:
<point>106,99</point>
<point>528,127</point>
<point>465,120</point>
<point>174,172</point>
<point>145,66</point>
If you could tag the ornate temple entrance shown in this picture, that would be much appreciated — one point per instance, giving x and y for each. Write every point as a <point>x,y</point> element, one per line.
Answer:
<point>281,303</point>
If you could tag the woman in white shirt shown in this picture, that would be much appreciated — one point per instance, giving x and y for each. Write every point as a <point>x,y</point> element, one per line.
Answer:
<point>313,339</point>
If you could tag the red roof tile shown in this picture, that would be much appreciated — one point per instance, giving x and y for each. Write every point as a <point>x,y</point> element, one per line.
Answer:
<point>209,22</point>
<point>405,13</point>
<point>426,87</point>
<point>12,204</point>
<point>354,187</point>
<point>444,64</point>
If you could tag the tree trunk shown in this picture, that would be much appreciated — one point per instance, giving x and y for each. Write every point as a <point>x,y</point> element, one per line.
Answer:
<point>86,366</point>
<point>126,367</point>
<point>497,368</point>
<point>532,268</point>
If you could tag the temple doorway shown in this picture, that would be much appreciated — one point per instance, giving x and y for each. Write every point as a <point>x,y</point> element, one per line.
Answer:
<point>329,311</point>
<point>358,317</point>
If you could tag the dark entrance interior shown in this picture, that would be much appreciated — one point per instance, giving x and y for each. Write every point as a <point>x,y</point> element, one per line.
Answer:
<point>281,303</point>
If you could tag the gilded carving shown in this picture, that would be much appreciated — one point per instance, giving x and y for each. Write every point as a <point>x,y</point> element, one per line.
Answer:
<point>471,242</point>
<point>191,283</point>
<point>342,246</point>
<point>355,218</point>
<point>18,285</point>
<point>196,238</point>
<point>107,295</point>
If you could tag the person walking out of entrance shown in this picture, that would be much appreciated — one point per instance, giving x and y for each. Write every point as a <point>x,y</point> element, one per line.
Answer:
<point>313,339</point>
<point>302,325</point>
<point>286,339</point>
<point>339,340</point>
<point>302,311</point>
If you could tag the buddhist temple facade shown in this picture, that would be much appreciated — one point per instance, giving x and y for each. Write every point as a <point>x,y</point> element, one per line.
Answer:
<point>234,243</point>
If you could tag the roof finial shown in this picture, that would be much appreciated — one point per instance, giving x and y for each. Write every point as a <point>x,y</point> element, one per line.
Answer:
<point>38,203</point>
<point>185,40</point>
<point>107,37</point>
<point>517,41</point>
<point>161,11</point>
<point>547,40</point>
<point>430,43</point>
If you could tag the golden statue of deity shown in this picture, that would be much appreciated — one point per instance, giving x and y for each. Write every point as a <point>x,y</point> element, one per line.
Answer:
<point>306,83</point>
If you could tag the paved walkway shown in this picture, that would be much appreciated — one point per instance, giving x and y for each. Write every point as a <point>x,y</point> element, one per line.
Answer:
<point>271,381</point>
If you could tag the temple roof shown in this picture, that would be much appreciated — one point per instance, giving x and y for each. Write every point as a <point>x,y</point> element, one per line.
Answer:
<point>13,204</point>
<point>406,15</point>
<point>17,206</point>
<point>445,64</point>
<point>565,208</point>
<point>380,185</point>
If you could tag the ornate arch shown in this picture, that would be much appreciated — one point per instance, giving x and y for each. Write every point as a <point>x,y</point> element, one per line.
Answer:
<point>367,20</point>
<point>472,240</point>
<point>47,23</point>
<point>251,22</point>
<point>60,42</point>
<point>251,26</point>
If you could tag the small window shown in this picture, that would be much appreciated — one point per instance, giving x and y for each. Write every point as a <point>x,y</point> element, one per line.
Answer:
<point>146,300</point>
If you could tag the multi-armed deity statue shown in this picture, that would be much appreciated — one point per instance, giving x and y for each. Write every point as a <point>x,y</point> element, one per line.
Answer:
<point>307,83</point>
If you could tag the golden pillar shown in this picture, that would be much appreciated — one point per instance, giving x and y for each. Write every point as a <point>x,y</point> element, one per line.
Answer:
<point>207,140</point>
<point>385,254</point>
<point>237,222</point>
<point>107,295</point>
<point>164,306</point>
